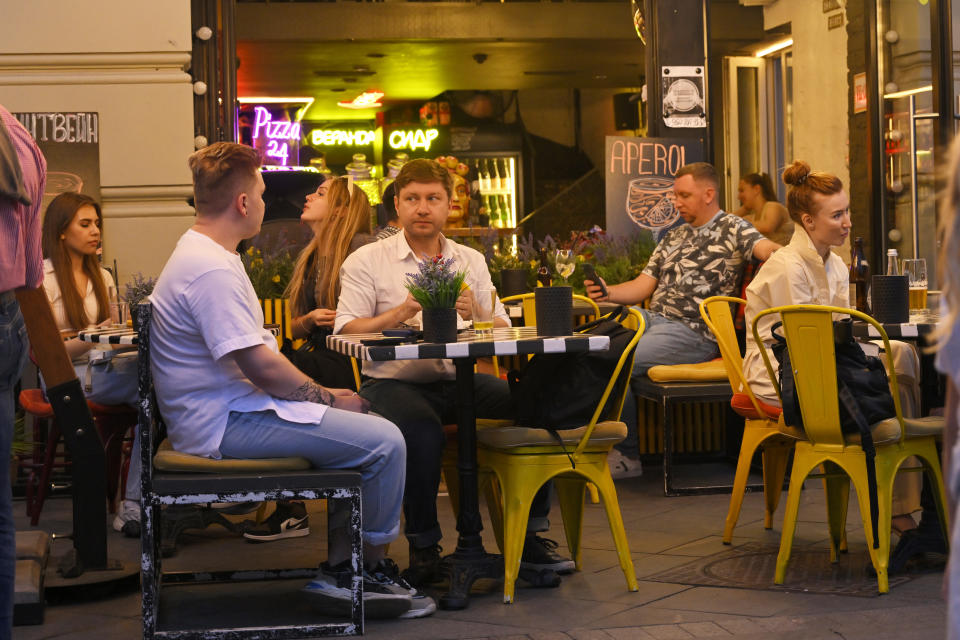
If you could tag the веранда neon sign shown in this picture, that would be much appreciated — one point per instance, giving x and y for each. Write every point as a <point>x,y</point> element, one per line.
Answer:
<point>412,139</point>
<point>341,138</point>
<point>278,134</point>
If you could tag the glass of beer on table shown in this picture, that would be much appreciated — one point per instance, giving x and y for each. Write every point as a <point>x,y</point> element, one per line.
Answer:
<point>916,272</point>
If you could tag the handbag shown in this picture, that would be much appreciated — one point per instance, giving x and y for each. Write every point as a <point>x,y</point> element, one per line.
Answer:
<point>110,377</point>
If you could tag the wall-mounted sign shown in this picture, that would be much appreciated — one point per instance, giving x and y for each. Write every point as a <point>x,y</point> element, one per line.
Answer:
<point>70,141</point>
<point>684,105</point>
<point>859,92</point>
<point>278,134</point>
<point>830,5</point>
<point>412,139</point>
<point>366,100</point>
<point>835,21</point>
<point>638,173</point>
<point>342,137</point>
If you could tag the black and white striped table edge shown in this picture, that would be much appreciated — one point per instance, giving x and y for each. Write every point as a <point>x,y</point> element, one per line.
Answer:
<point>902,330</point>
<point>127,337</point>
<point>527,342</point>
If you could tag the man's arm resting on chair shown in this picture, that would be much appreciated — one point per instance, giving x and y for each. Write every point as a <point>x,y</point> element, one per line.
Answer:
<point>275,375</point>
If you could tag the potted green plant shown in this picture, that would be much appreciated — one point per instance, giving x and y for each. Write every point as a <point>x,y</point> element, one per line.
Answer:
<point>436,286</point>
<point>509,274</point>
<point>269,273</point>
<point>135,292</point>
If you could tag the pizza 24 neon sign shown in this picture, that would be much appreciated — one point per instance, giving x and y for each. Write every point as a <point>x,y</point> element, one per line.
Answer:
<point>278,134</point>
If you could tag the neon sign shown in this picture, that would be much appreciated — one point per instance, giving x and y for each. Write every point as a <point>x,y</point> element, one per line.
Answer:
<point>366,100</point>
<point>278,134</point>
<point>341,138</point>
<point>412,139</point>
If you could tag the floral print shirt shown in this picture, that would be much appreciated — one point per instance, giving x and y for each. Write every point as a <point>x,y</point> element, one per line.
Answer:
<point>693,263</point>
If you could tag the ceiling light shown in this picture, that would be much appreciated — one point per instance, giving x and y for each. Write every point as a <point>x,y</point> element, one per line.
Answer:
<point>908,92</point>
<point>773,48</point>
<point>366,100</point>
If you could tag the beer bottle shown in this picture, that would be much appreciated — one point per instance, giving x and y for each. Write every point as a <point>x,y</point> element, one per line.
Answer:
<point>543,272</point>
<point>859,275</point>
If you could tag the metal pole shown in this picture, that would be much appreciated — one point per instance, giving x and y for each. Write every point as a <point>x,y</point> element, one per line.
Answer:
<point>914,192</point>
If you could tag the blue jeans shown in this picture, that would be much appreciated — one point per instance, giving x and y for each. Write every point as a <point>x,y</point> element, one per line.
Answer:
<point>664,341</point>
<point>342,440</point>
<point>13,355</point>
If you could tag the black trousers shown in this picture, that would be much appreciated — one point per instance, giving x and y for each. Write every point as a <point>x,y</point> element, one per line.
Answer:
<point>420,411</point>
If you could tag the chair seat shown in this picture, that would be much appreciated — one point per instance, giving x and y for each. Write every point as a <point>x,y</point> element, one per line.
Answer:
<point>167,459</point>
<point>506,434</point>
<point>741,403</point>
<point>699,372</point>
<point>887,431</point>
<point>33,402</point>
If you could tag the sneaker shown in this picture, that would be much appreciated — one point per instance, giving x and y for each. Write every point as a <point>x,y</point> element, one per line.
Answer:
<point>424,566</point>
<point>127,520</point>
<point>421,605</point>
<point>623,466</point>
<point>382,598</point>
<point>539,554</point>
<point>288,520</point>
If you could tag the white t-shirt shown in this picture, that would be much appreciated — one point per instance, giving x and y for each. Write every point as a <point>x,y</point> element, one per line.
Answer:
<point>55,296</point>
<point>204,309</point>
<point>371,282</point>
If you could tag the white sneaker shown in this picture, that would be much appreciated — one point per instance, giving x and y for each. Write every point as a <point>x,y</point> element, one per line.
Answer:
<point>127,520</point>
<point>622,466</point>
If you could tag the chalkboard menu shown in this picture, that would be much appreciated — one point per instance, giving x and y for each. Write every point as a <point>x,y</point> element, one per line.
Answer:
<point>70,142</point>
<point>638,173</point>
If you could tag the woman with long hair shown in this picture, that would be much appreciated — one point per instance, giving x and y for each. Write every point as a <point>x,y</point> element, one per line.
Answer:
<point>806,271</point>
<point>948,362</point>
<point>759,206</point>
<point>338,213</point>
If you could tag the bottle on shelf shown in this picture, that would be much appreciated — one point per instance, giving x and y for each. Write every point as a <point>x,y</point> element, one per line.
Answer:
<point>859,275</point>
<point>495,182</point>
<point>485,183</point>
<point>507,175</point>
<point>543,271</point>
<point>893,264</point>
<point>505,218</point>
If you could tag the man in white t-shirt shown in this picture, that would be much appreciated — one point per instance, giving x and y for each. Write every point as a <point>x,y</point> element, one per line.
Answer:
<point>419,396</point>
<point>225,391</point>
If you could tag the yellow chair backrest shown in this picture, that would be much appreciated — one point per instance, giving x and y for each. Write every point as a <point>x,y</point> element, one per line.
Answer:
<point>634,322</point>
<point>717,315</point>
<point>530,307</point>
<point>809,333</point>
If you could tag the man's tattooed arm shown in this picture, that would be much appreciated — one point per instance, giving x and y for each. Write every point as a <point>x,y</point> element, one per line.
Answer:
<point>310,391</point>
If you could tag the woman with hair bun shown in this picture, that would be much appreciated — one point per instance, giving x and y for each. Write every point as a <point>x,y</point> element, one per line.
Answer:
<point>759,207</point>
<point>807,271</point>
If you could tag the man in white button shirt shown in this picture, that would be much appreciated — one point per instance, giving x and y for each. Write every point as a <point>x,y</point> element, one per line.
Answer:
<point>419,396</point>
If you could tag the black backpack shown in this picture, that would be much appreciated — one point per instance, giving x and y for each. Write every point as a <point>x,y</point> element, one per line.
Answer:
<point>562,390</point>
<point>862,388</point>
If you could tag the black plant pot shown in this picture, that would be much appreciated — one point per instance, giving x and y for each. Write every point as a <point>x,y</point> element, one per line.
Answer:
<point>439,325</point>
<point>554,311</point>
<point>513,282</point>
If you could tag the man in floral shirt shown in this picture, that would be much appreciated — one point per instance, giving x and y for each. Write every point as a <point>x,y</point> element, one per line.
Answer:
<point>703,258</point>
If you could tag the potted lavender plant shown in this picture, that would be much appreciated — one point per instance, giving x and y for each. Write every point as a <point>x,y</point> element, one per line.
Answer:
<point>436,286</point>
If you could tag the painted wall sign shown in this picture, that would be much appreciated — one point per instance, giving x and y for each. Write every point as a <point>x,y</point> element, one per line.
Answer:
<point>413,139</point>
<point>342,137</point>
<point>638,173</point>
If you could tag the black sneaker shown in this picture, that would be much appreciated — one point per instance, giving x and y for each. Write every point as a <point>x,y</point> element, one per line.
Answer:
<point>539,554</point>
<point>421,605</point>
<point>288,520</point>
<point>382,598</point>
<point>424,566</point>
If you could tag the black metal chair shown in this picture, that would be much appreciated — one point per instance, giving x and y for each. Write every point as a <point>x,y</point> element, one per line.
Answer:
<point>247,481</point>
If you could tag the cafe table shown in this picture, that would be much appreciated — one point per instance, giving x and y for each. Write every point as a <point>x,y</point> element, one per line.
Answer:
<point>113,335</point>
<point>470,561</point>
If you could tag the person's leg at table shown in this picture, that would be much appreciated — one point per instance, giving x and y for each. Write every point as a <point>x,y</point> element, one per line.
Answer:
<point>416,409</point>
<point>343,440</point>
<point>492,400</point>
<point>664,342</point>
<point>13,355</point>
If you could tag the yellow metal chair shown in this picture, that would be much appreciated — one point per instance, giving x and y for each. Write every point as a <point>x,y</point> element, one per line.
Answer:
<point>524,459</point>
<point>760,428</point>
<point>809,333</point>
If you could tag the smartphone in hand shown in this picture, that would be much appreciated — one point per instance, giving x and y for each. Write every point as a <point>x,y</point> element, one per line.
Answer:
<point>591,274</point>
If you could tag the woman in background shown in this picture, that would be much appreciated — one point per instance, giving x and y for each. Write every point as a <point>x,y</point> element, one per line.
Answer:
<point>80,292</point>
<point>339,215</point>
<point>759,206</point>
<point>948,362</point>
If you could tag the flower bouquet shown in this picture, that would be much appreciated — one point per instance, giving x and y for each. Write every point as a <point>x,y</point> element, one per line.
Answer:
<point>436,286</point>
<point>136,292</point>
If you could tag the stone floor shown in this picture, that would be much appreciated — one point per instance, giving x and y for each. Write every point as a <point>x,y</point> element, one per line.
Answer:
<point>590,605</point>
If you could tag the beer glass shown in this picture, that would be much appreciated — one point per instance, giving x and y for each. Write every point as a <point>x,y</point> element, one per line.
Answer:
<point>484,303</point>
<point>916,271</point>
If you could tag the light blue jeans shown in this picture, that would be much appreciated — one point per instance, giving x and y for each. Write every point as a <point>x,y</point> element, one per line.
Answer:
<point>342,440</point>
<point>664,341</point>
<point>13,355</point>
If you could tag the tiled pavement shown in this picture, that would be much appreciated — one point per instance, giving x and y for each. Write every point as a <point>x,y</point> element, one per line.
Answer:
<point>590,605</point>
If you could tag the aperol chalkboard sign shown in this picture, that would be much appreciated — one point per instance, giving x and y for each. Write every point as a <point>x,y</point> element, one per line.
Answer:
<point>638,173</point>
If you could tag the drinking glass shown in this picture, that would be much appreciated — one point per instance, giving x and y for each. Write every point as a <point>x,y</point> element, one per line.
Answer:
<point>566,263</point>
<point>484,303</point>
<point>916,271</point>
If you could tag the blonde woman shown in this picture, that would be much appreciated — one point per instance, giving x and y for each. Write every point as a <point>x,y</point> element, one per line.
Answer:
<point>948,362</point>
<point>338,213</point>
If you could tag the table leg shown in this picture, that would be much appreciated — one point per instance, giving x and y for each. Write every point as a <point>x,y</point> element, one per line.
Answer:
<point>470,561</point>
